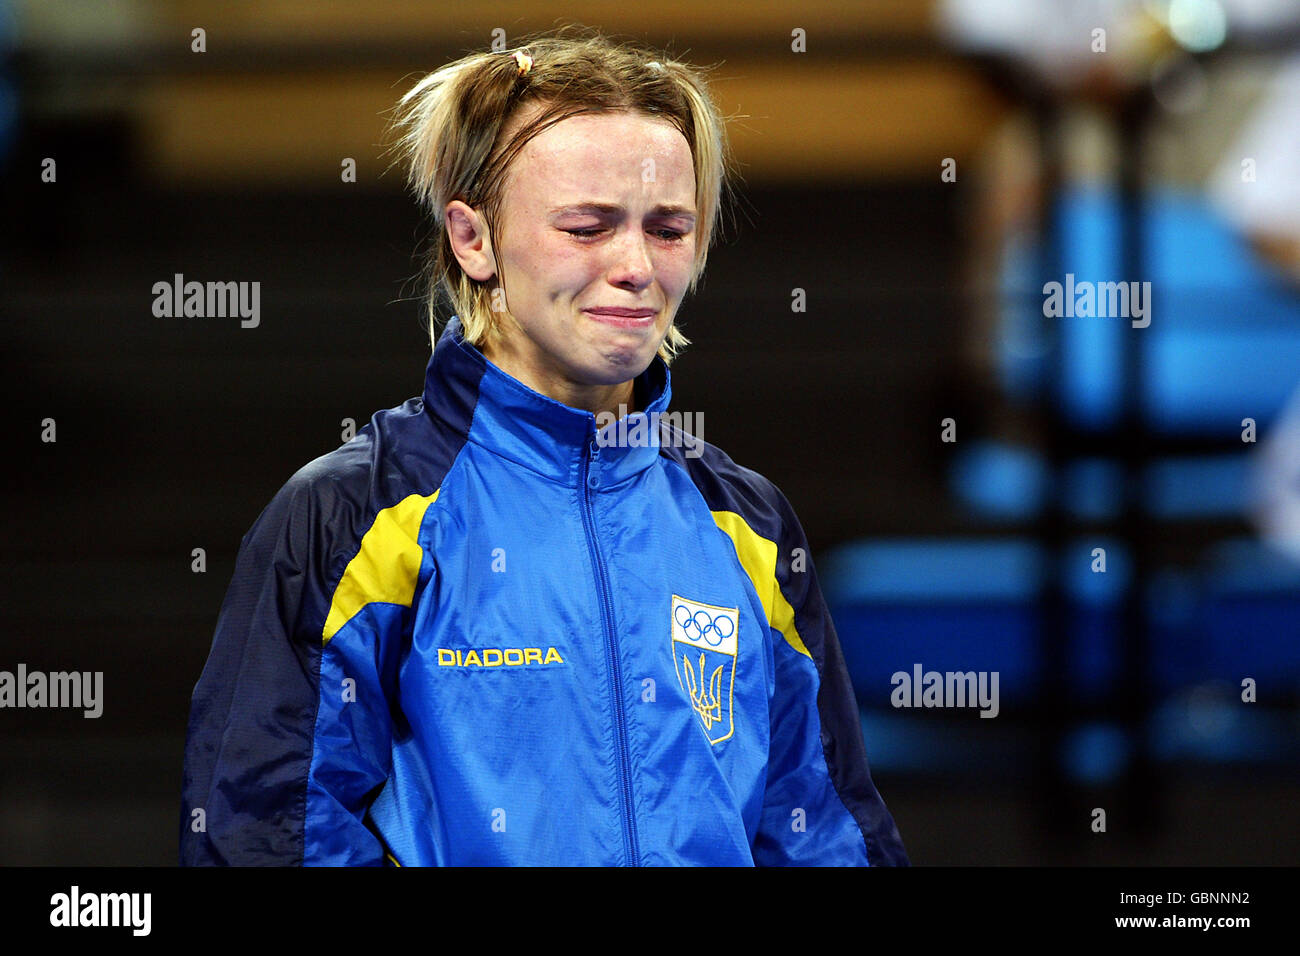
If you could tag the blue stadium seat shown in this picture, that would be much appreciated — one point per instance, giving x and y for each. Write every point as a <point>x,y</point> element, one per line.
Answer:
<point>1000,481</point>
<point>967,605</point>
<point>964,605</point>
<point>1222,343</point>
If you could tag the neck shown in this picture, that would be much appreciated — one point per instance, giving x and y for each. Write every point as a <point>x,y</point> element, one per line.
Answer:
<point>546,381</point>
<point>590,398</point>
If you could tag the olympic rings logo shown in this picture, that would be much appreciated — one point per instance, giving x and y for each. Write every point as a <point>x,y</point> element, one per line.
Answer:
<point>704,625</point>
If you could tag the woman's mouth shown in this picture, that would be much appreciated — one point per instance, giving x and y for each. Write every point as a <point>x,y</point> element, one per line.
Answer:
<point>623,318</point>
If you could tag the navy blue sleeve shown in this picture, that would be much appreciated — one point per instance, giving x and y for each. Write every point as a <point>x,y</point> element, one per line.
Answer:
<point>818,766</point>
<point>253,716</point>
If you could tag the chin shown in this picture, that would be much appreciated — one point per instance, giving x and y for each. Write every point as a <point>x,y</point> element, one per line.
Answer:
<point>628,350</point>
<point>615,366</point>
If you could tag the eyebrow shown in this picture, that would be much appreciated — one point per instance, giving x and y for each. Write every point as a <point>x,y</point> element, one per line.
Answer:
<point>603,208</point>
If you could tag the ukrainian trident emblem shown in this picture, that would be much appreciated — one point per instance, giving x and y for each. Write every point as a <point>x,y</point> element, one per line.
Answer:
<point>704,654</point>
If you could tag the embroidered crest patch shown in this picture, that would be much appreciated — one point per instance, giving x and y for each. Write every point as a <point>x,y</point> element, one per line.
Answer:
<point>704,644</point>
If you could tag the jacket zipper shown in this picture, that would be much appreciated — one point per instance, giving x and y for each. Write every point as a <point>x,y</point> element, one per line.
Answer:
<point>611,655</point>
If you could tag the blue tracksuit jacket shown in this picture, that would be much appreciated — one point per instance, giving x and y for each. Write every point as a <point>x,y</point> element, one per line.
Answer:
<point>481,632</point>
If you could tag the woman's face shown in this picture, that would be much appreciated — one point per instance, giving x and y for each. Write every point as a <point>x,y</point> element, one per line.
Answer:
<point>597,215</point>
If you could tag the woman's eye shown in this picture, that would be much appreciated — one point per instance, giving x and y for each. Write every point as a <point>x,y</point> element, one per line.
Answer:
<point>668,235</point>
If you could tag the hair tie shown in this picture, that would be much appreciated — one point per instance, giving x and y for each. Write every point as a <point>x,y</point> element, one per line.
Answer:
<point>524,60</point>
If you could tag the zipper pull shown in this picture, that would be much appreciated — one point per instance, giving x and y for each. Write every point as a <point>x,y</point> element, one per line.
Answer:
<point>593,479</point>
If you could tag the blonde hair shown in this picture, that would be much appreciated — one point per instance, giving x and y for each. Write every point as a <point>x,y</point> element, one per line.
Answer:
<point>449,124</point>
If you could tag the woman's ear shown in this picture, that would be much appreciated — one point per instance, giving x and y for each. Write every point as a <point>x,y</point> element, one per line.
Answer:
<point>470,243</point>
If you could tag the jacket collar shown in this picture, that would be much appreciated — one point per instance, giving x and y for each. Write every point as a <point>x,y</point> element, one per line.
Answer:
<point>500,413</point>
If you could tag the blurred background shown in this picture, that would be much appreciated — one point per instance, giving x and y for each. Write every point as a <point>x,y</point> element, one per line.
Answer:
<point>957,452</point>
